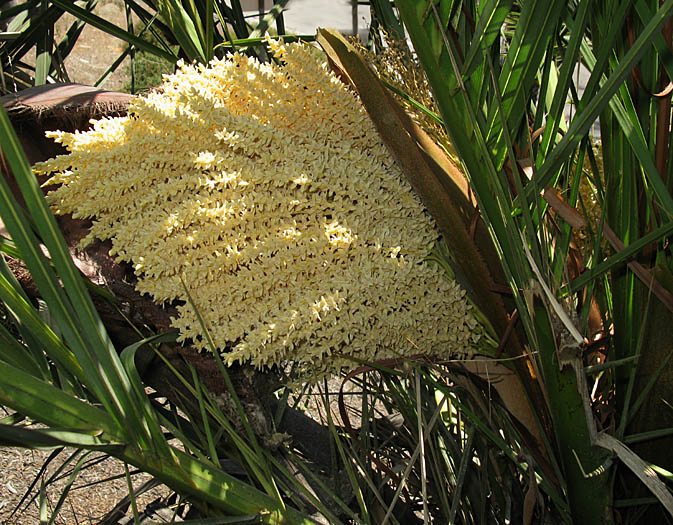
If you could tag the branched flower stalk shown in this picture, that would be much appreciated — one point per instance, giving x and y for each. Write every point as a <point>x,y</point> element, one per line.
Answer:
<point>266,190</point>
<point>398,67</point>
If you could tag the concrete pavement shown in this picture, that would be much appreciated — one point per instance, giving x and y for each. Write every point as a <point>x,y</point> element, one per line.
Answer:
<point>305,16</point>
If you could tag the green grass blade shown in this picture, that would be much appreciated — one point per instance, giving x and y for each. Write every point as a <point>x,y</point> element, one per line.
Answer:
<point>210,27</point>
<point>619,258</point>
<point>45,45</point>
<point>236,17</point>
<point>67,44</point>
<point>151,20</point>
<point>462,469</point>
<point>645,14</point>
<point>529,231</point>
<point>245,450</point>
<point>205,420</point>
<point>44,513</point>
<point>254,457</point>
<point>555,118</point>
<point>320,505</point>
<point>595,369</point>
<point>132,496</point>
<point>249,42</point>
<point>70,304</point>
<point>31,323</point>
<point>492,14</point>
<point>183,472</point>
<point>8,247</point>
<point>48,438</point>
<point>185,30</point>
<point>50,405</point>
<point>25,335</point>
<point>500,442</point>
<point>269,19</point>
<point>350,472</point>
<point>466,130</point>
<point>586,117</point>
<point>647,436</point>
<point>66,489</point>
<point>626,114</point>
<point>120,59</point>
<point>384,13</point>
<point>196,16</point>
<point>254,518</point>
<point>15,354</point>
<point>149,420</point>
<point>529,43</point>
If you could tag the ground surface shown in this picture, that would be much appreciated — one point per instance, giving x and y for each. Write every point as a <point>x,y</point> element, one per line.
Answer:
<point>96,50</point>
<point>91,498</point>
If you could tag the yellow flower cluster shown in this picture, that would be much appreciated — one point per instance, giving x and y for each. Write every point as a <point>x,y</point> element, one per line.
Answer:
<point>265,189</point>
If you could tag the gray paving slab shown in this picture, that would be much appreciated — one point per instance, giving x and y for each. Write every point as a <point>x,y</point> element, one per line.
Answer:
<point>305,16</point>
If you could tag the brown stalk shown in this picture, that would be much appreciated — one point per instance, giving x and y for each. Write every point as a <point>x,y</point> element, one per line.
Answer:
<point>567,212</point>
<point>645,275</point>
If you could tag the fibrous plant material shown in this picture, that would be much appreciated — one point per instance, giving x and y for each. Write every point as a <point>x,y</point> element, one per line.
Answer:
<point>264,190</point>
<point>396,65</point>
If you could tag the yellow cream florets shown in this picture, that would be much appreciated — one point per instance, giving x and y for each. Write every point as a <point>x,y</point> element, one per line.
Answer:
<point>265,189</point>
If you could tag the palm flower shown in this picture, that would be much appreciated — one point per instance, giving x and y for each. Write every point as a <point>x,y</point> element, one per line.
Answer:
<point>264,191</point>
